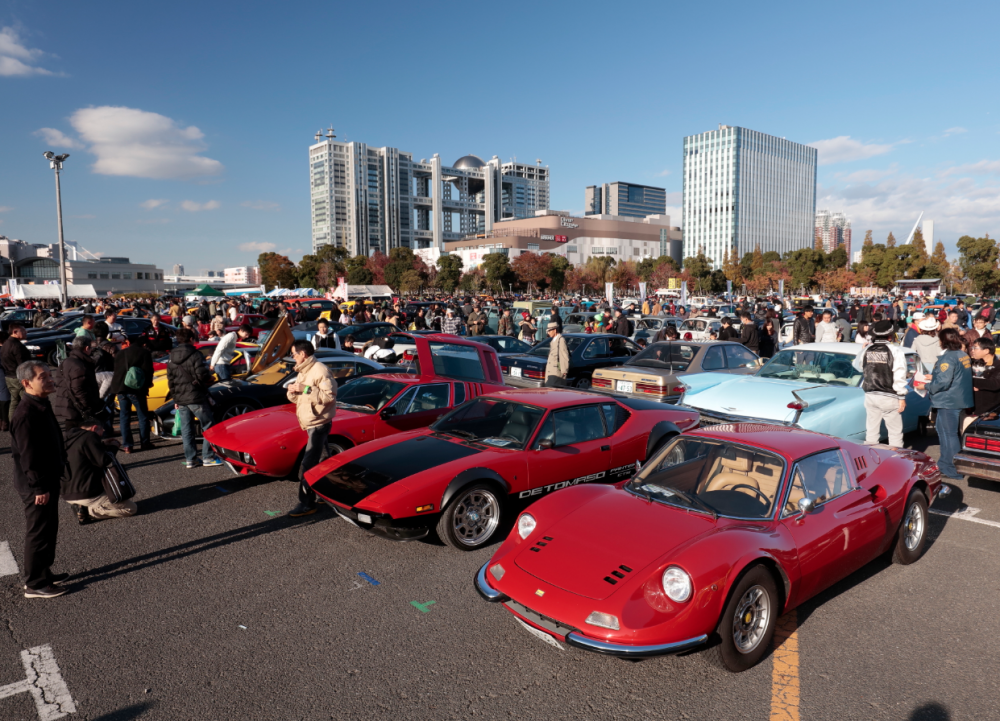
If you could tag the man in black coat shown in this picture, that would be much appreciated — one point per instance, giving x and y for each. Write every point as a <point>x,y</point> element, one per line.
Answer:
<point>189,379</point>
<point>87,457</point>
<point>39,459</point>
<point>621,324</point>
<point>157,336</point>
<point>138,357</point>
<point>804,328</point>
<point>748,333</point>
<point>77,390</point>
<point>12,354</point>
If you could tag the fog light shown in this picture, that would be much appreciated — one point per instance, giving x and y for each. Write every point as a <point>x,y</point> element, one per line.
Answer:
<point>605,620</point>
<point>497,571</point>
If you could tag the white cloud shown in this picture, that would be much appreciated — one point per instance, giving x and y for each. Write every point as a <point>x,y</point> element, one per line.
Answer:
<point>257,247</point>
<point>868,176</point>
<point>57,139</point>
<point>663,174</point>
<point>844,149</point>
<point>983,167</point>
<point>955,131</point>
<point>153,221</point>
<point>16,58</point>
<point>140,144</point>
<point>193,207</point>
<point>153,203</point>
<point>260,205</point>
<point>5,208</point>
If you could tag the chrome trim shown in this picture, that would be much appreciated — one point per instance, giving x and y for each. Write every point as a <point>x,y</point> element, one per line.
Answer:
<point>485,590</point>
<point>723,418</point>
<point>624,651</point>
<point>977,466</point>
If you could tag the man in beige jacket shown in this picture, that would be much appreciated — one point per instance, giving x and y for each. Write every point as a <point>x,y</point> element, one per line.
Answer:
<point>557,365</point>
<point>314,394</point>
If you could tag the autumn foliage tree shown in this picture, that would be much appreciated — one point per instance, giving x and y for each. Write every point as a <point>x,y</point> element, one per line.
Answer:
<point>532,269</point>
<point>277,271</point>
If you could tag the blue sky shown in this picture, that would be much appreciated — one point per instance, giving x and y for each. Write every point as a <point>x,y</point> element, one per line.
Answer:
<point>189,123</point>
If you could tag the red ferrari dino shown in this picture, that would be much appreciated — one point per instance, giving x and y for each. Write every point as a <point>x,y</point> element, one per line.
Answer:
<point>723,531</point>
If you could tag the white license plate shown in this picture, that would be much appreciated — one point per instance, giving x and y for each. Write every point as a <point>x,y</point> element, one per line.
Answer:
<point>515,371</point>
<point>364,518</point>
<point>541,634</point>
<point>623,386</point>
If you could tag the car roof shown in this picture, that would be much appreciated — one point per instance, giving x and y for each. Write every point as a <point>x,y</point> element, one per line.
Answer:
<point>792,443</point>
<point>549,397</point>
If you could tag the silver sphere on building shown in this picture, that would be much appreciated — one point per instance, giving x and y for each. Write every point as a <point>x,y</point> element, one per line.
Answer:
<point>470,162</point>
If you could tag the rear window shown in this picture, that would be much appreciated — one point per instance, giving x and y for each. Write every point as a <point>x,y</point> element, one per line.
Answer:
<point>457,361</point>
<point>667,356</point>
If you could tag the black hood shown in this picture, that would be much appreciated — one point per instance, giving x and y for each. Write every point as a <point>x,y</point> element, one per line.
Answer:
<point>360,478</point>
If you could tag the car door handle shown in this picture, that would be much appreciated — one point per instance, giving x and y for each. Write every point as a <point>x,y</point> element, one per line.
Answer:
<point>605,448</point>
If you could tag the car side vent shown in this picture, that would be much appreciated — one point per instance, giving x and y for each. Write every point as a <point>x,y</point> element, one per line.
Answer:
<point>618,573</point>
<point>860,463</point>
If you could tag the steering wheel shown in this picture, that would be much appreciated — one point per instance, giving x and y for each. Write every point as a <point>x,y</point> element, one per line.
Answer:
<point>767,501</point>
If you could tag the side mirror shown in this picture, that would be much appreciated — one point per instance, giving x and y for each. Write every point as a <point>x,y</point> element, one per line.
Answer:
<point>806,506</point>
<point>387,413</point>
<point>545,444</point>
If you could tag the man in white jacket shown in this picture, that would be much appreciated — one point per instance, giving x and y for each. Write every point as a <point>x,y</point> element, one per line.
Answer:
<point>226,350</point>
<point>884,367</point>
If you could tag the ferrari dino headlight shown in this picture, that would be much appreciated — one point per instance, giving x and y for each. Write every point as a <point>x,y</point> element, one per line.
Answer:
<point>676,584</point>
<point>605,620</point>
<point>525,525</point>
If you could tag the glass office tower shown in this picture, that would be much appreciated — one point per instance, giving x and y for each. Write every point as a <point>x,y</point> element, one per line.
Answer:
<point>741,188</point>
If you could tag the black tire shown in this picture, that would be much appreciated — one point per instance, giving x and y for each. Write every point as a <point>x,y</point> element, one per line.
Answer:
<point>460,530</point>
<point>758,589</point>
<point>236,409</point>
<point>582,383</point>
<point>53,358</point>
<point>332,449</point>
<point>912,536</point>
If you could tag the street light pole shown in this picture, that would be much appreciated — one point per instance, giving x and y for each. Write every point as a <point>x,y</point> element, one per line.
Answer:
<point>55,162</point>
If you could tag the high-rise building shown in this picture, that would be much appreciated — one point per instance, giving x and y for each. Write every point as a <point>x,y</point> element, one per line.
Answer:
<point>178,269</point>
<point>625,199</point>
<point>367,199</point>
<point>743,188</point>
<point>832,231</point>
<point>245,275</point>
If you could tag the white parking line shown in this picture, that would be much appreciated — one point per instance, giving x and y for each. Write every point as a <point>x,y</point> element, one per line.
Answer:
<point>8,566</point>
<point>966,514</point>
<point>45,684</point>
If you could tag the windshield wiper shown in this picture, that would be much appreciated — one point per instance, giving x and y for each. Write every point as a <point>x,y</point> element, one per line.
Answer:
<point>693,498</point>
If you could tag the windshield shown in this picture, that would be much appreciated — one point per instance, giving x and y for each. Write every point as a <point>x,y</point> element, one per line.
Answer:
<point>712,477</point>
<point>367,394</point>
<point>663,355</point>
<point>693,325</point>
<point>499,423</point>
<point>542,349</point>
<point>833,369</point>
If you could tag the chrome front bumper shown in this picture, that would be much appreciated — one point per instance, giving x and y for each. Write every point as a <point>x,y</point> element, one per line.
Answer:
<point>978,466</point>
<point>623,651</point>
<point>522,382</point>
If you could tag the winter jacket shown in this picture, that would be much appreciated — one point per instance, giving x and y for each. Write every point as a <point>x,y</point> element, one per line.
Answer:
<point>621,326</point>
<point>37,447</point>
<point>985,386</point>
<point>750,337</point>
<point>324,341</point>
<point>804,330</point>
<point>188,378</point>
<point>132,357</point>
<point>557,363</point>
<point>928,349</point>
<point>884,368</point>
<point>951,385</point>
<point>972,335</point>
<point>12,354</point>
<point>729,333</point>
<point>769,342</point>
<point>318,404</point>
<point>77,393</point>
<point>158,340</point>
<point>912,333</point>
<point>86,459</point>
<point>826,332</point>
<point>225,351</point>
<point>505,326</point>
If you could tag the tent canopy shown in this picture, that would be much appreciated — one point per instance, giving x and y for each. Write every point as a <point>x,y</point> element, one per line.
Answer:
<point>205,290</point>
<point>22,292</point>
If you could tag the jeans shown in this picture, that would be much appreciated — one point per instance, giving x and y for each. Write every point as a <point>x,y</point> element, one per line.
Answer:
<point>125,403</point>
<point>947,430</point>
<point>186,415</point>
<point>223,372</point>
<point>314,454</point>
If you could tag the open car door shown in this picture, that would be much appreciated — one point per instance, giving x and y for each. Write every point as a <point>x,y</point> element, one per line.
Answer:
<point>277,346</point>
<point>449,356</point>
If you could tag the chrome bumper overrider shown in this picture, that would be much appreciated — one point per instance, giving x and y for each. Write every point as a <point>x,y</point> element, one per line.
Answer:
<point>623,651</point>
<point>486,590</point>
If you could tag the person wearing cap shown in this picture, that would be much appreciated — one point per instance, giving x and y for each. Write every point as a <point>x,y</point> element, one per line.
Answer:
<point>913,329</point>
<point>926,344</point>
<point>557,366</point>
<point>883,364</point>
<point>505,326</point>
<point>804,328</point>
<point>979,330</point>
<point>451,324</point>
<point>951,393</point>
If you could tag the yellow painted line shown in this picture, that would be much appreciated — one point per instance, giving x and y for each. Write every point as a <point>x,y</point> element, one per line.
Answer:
<point>785,676</point>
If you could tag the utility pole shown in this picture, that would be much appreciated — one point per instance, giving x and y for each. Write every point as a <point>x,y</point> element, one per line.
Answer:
<point>55,162</point>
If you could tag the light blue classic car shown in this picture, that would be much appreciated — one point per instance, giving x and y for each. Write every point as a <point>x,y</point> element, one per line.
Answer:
<point>812,386</point>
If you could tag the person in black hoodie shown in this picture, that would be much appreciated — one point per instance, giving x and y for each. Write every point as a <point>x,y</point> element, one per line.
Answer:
<point>77,395</point>
<point>188,380</point>
<point>86,458</point>
<point>12,354</point>
<point>39,458</point>
<point>727,332</point>
<point>748,333</point>
<point>135,356</point>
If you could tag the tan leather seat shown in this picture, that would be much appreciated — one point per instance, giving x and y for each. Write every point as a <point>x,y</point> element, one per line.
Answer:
<point>733,471</point>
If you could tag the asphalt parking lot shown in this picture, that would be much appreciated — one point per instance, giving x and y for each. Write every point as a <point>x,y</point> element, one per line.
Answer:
<point>211,604</point>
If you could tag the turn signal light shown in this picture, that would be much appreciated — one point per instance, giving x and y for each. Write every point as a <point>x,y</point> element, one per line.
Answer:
<point>688,336</point>
<point>429,507</point>
<point>600,382</point>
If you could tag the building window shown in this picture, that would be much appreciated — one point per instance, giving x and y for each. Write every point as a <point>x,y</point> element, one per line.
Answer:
<point>571,249</point>
<point>126,276</point>
<point>92,276</point>
<point>597,251</point>
<point>612,251</point>
<point>116,276</point>
<point>532,247</point>
<point>104,276</point>
<point>635,251</point>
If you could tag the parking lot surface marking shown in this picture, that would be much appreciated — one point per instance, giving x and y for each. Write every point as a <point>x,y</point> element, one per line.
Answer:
<point>966,514</point>
<point>422,606</point>
<point>8,566</point>
<point>371,580</point>
<point>785,675</point>
<point>44,682</point>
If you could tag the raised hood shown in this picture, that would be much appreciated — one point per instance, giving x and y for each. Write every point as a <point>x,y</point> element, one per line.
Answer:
<point>765,398</point>
<point>634,533</point>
